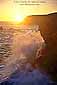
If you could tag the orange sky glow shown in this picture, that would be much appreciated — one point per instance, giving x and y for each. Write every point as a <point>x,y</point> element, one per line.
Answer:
<point>11,10</point>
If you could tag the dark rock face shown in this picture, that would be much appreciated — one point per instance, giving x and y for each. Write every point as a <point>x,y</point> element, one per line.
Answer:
<point>48,27</point>
<point>48,30</point>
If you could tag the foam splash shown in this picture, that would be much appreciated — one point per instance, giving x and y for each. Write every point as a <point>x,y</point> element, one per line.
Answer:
<point>23,48</point>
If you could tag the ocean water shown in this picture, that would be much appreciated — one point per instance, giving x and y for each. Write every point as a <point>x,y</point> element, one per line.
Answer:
<point>17,53</point>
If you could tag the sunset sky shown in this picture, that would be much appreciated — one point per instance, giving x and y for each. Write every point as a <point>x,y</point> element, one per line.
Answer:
<point>11,10</point>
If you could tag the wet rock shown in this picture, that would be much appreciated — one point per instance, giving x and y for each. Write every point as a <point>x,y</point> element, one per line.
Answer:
<point>48,30</point>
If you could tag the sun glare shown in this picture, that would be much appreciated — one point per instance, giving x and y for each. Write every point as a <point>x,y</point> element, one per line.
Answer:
<point>19,18</point>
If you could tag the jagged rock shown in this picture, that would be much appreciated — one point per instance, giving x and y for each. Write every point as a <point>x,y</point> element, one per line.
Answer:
<point>48,26</point>
<point>48,30</point>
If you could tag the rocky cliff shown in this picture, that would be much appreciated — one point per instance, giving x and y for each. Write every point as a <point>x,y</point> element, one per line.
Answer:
<point>48,26</point>
<point>48,30</point>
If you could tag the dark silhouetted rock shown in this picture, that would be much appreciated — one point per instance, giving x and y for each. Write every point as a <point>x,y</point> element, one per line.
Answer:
<point>48,29</point>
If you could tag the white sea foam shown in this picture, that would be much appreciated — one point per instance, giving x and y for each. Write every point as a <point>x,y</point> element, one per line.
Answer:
<point>23,48</point>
